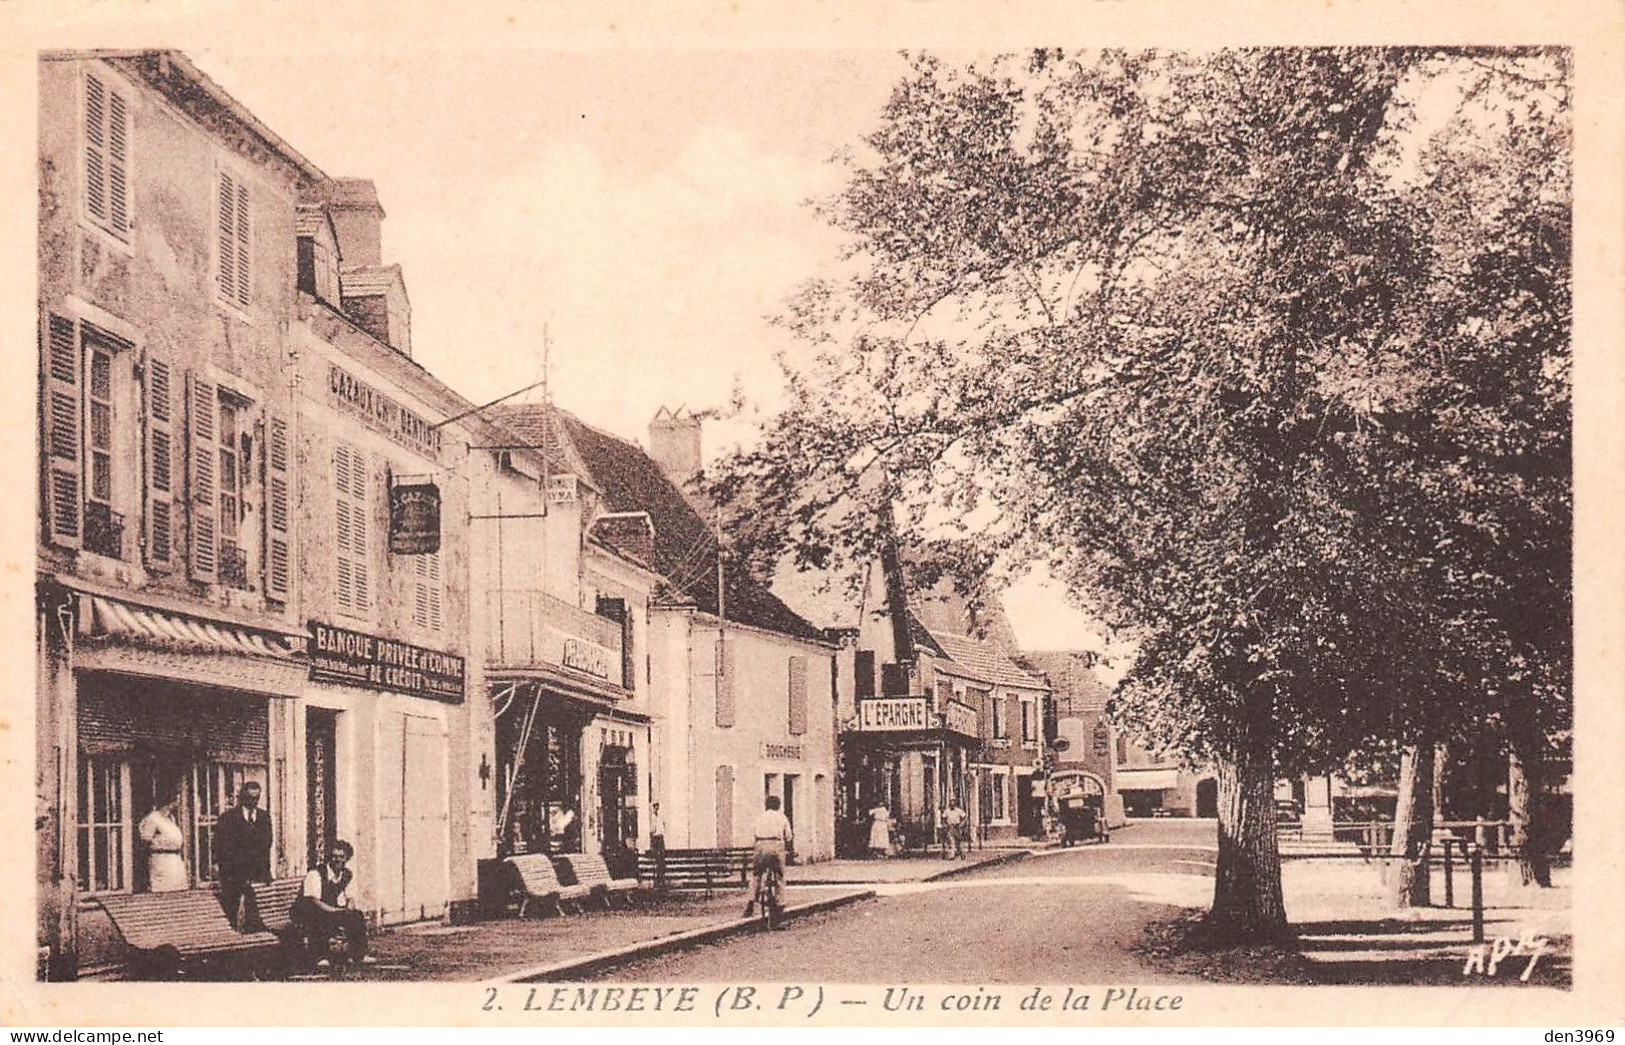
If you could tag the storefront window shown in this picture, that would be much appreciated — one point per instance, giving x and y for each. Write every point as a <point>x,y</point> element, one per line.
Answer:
<point>103,829</point>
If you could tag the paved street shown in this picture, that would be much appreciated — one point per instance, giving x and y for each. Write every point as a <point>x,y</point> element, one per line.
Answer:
<point>1072,913</point>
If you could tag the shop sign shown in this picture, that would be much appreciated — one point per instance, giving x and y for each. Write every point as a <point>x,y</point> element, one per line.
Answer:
<point>587,656</point>
<point>353,658</point>
<point>414,517</point>
<point>781,752</point>
<point>960,718</point>
<point>382,413</point>
<point>891,714</point>
<point>1103,739</point>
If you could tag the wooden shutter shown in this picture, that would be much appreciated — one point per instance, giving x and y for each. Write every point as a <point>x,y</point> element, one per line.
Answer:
<point>725,806</point>
<point>426,604</point>
<point>278,554</point>
<point>863,673</point>
<point>63,446</point>
<point>725,682</point>
<point>243,295</point>
<point>798,695</point>
<point>358,530</point>
<point>202,453</point>
<point>158,377</point>
<point>118,160</point>
<point>226,249</point>
<point>96,148</point>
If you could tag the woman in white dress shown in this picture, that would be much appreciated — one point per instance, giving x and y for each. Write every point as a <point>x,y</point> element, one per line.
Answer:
<point>160,832</point>
<point>880,832</point>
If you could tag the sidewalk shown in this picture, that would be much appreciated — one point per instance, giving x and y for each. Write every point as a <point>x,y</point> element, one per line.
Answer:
<point>897,869</point>
<point>1348,934</point>
<point>562,946</point>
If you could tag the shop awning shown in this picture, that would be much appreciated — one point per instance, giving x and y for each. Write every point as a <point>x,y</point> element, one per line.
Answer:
<point>1146,779</point>
<point>110,618</point>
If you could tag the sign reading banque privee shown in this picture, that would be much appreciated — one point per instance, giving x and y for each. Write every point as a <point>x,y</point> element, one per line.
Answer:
<point>356,659</point>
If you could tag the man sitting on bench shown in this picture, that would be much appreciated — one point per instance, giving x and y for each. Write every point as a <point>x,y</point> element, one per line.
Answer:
<point>323,908</point>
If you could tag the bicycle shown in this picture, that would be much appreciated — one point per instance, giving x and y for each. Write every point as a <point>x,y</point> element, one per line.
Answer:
<point>769,888</point>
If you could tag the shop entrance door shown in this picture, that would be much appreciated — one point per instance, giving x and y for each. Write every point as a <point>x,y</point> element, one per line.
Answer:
<point>617,790</point>
<point>321,783</point>
<point>414,822</point>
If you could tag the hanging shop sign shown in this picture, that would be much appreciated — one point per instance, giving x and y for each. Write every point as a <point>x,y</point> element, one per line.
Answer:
<point>353,658</point>
<point>892,714</point>
<point>960,718</point>
<point>382,413</point>
<point>414,517</point>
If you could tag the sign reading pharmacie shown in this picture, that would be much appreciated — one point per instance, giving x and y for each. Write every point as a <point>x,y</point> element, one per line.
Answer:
<point>893,714</point>
<point>354,658</point>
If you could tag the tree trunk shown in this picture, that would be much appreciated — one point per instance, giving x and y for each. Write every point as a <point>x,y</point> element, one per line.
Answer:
<point>1523,797</point>
<point>1413,828</point>
<point>1247,904</point>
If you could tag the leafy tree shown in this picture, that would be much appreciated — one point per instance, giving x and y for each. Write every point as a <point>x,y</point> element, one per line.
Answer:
<point>1167,324</point>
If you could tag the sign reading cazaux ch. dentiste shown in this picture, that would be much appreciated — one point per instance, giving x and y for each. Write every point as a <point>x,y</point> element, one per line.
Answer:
<point>382,412</point>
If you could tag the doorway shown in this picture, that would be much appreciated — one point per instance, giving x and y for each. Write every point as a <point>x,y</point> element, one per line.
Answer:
<point>321,783</point>
<point>1207,798</point>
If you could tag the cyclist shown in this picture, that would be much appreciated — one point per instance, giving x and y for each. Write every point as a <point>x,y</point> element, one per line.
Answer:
<point>773,840</point>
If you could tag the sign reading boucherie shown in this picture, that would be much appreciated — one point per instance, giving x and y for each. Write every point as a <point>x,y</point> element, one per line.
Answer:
<point>893,713</point>
<point>356,659</point>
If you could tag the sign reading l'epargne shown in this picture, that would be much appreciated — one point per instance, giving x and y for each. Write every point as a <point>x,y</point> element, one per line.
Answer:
<point>357,659</point>
<point>889,714</point>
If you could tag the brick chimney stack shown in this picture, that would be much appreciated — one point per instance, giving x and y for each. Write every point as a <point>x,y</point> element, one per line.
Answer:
<point>358,218</point>
<point>674,443</point>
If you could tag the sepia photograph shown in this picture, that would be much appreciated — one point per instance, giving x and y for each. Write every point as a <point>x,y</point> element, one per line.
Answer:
<point>592,524</point>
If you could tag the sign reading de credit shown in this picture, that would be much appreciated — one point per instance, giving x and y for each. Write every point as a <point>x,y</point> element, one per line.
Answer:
<point>890,714</point>
<point>354,658</point>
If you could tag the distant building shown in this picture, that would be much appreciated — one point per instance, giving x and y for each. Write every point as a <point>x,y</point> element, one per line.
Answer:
<point>1085,743</point>
<point>742,686</point>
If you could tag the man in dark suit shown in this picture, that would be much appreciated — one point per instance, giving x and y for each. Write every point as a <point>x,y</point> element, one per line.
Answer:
<point>242,847</point>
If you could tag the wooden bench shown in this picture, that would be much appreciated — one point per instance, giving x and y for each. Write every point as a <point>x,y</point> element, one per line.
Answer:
<point>275,901</point>
<point>591,871</point>
<point>166,930</point>
<point>535,878</point>
<point>707,869</point>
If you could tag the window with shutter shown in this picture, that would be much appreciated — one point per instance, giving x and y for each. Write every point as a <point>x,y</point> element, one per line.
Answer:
<point>202,450</point>
<point>798,695</point>
<point>107,156</point>
<point>278,553</point>
<point>350,511</point>
<point>428,591</point>
<point>232,277</point>
<point>160,485</point>
<point>61,442</point>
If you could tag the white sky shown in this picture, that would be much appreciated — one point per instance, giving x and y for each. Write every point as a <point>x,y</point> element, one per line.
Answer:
<point>648,207</point>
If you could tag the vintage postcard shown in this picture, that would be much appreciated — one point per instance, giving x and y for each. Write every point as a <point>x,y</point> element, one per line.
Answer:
<point>891,514</point>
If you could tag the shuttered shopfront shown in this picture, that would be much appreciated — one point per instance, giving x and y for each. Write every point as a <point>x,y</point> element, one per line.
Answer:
<point>141,741</point>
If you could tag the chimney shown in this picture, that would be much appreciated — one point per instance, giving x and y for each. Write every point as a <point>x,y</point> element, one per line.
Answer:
<point>674,443</point>
<point>359,219</point>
